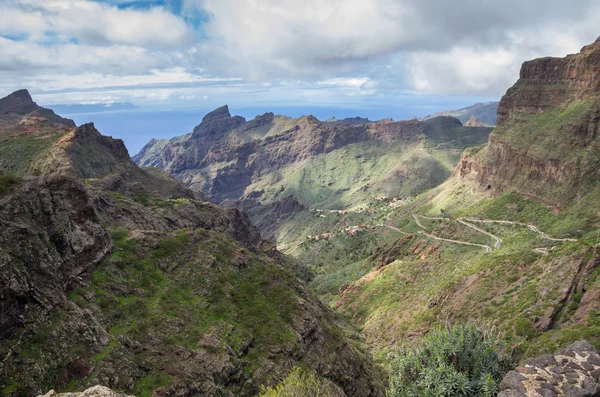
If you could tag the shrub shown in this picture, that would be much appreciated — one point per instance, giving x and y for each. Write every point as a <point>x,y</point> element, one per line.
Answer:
<point>300,383</point>
<point>463,360</point>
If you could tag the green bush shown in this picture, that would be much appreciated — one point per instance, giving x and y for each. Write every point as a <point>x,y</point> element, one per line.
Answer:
<point>300,383</point>
<point>463,360</point>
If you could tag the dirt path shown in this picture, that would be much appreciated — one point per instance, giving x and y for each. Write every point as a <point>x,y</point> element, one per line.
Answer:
<point>480,230</point>
<point>392,228</point>
<point>530,226</point>
<point>433,236</point>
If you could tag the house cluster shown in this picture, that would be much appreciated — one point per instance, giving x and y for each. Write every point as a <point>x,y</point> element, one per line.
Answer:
<point>354,230</point>
<point>324,236</point>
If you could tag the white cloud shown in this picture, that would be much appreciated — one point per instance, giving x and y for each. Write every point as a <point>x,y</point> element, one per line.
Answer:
<point>437,46</point>
<point>304,50</point>
<point>92,23</point>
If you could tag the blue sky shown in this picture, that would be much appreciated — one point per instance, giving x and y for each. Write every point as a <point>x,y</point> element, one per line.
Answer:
<point>368,56</point>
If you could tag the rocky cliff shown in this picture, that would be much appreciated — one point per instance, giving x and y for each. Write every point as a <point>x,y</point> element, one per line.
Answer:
<point>117,275</point>
<point>547,144</point>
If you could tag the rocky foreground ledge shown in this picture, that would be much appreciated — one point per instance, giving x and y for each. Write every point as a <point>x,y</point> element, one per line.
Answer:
<point>96,391</point>
<point>571,372</point>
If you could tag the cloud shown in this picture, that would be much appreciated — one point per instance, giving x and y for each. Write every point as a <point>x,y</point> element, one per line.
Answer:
<point>92,23</point>
<point>280,50</point>
<point>462,46</point>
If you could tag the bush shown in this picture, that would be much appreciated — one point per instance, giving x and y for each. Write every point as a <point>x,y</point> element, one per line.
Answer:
<point>463,360</point>
<point>300,383</point>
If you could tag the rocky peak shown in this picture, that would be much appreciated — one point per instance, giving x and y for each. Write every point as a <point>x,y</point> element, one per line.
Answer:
<point>19,102</point>
<point>19,109</point>
<point>217,114</point>
<point>259,121</point>
<point>348,121</point>
<point>216,123</point>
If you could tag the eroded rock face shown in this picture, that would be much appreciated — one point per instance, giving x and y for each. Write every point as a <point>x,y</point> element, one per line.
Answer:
<point>571,372</point>
<point>50,234</point>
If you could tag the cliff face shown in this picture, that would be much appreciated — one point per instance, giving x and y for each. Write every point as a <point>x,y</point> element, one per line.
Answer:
<point>550,82</point>
<point>547,144</point>
<point>118,275</point>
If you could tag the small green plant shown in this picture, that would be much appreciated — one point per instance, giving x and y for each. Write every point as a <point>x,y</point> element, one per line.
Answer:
<point>300,383</point>
<point>463,360</point>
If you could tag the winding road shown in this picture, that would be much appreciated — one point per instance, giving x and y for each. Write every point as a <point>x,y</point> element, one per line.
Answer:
<point>480,230</point>
<point>531,227</point>
<point>469,223</point>
<point>392,228</point>
<point>433,236</point>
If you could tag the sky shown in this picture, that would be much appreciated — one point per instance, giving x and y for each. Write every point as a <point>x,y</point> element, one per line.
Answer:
<point>364,56</point>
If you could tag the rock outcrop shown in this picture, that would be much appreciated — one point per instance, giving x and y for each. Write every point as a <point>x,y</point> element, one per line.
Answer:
<point>570,372</point>
<point>474,122</point>
<point>546,83</point>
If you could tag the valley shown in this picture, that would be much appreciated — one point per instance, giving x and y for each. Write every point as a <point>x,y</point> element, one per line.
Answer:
<point>251,256</point>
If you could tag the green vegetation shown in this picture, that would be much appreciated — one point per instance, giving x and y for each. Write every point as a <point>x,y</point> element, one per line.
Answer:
<point>7,182</point>
<point>189,290</point>
<point>17,154</point>
<point>301,383</point>
<point>463,360</point>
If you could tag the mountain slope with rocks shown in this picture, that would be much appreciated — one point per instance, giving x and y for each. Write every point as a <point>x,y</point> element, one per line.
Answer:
<point>258,164</point>
<point>117,275</point>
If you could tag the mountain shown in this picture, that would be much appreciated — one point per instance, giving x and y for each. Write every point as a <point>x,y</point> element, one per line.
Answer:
<point>257,164</point>
<point>484,112</point>
<point>120,275</point>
